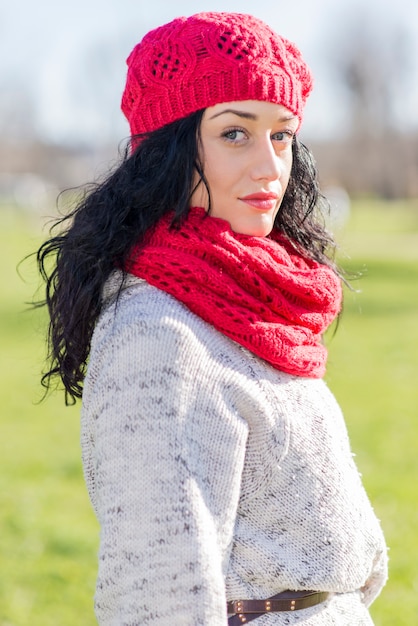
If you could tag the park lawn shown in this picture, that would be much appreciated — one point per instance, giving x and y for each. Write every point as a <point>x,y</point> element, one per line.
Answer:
<point>48,534</point>
<point>373,370</point>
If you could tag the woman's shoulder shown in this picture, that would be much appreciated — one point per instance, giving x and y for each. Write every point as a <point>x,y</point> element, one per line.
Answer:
<point>123,291</point>
<point>131,302</point>
<point>140,319</point>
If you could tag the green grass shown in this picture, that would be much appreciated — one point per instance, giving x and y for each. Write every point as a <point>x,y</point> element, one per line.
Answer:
<point>47,529</point>
<point>372,370</point>
<point>48,534</point>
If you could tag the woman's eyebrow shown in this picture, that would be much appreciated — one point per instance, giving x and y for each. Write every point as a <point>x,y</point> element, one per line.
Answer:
<point>245,114</point>
<point>250,116</point>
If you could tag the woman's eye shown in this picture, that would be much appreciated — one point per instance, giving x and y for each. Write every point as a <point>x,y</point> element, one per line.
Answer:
<point>235,134</point>
<point>285,136</point>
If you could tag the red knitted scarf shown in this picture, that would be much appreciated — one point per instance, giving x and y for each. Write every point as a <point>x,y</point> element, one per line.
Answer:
<point>256,290</point>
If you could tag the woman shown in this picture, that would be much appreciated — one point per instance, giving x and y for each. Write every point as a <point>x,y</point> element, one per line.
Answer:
<point>197,282</point>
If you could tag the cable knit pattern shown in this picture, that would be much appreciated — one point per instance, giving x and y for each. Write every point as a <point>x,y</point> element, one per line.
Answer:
<point>256,290</point>
<point>195,62</point>
<point>215,476</point>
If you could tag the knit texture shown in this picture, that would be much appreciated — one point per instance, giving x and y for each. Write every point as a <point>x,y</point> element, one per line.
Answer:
<point>256,290</point>
<point>196,62</point>
<point>214,476</point>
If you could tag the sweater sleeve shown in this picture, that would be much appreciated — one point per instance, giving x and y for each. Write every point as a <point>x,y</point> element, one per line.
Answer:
<point>163,451</point>
<point>377,578</point>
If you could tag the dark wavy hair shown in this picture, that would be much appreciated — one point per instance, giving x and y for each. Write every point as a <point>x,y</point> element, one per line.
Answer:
<point>98,235</point>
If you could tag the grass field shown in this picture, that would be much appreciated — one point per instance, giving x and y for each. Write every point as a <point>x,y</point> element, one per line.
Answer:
<point>48,535</point>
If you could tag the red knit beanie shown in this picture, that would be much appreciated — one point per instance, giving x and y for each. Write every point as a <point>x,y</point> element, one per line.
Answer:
<point>196,62</point>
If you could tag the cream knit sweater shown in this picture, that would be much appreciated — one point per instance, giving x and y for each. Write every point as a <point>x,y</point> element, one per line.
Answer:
<point>215,476</point>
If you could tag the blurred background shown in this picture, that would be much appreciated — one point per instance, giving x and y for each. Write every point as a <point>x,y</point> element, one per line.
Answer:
<point>62,71</point>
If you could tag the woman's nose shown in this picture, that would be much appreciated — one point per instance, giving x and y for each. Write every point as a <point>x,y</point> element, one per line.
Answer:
<point>267,164</point>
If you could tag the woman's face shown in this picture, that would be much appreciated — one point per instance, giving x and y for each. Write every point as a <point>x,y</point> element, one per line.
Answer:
<point>246,152</point>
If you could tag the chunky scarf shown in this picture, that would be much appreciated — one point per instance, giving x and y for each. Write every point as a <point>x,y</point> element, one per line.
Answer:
<point>256,290</point>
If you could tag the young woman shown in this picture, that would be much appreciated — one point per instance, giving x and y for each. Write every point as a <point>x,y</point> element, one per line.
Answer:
<point>188,299</point>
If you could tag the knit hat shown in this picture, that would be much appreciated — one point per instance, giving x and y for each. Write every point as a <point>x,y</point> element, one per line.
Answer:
<point>196,62</point>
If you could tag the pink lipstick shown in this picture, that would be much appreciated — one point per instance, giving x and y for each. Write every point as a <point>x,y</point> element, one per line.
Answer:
<point>261,200</point>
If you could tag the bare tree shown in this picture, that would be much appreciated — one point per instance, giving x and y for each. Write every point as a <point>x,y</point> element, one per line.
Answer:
<point>371,64</point>
<point>17,117</point>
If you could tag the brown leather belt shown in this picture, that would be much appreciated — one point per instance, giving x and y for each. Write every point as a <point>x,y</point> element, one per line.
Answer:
<point>247,610</point>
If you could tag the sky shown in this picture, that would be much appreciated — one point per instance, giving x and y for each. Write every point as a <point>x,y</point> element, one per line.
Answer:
<point>62,64</point>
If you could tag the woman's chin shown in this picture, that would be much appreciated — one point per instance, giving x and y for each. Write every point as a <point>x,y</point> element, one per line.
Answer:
<point>254,227</point>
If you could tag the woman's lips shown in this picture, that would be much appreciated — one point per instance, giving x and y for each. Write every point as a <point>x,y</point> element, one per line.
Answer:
<point>262,201</point>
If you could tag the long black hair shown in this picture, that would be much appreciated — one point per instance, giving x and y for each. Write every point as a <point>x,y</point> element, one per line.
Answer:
<point>98,235</point>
